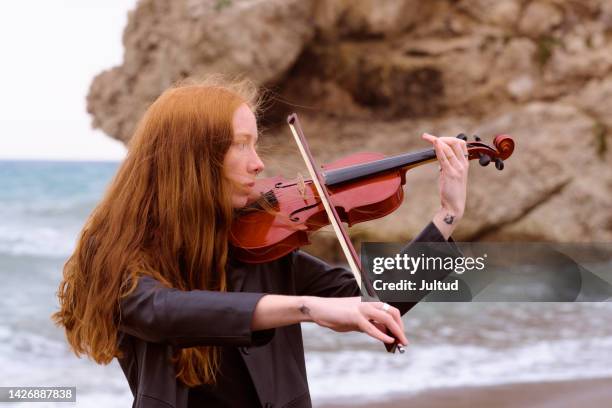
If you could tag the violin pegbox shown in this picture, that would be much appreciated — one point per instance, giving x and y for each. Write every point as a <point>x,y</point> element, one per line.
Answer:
<point>502,148</point>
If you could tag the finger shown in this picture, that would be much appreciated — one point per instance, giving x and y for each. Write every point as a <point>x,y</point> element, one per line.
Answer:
<point>444,163</point>
<point>448,156</point>
<point>384,329</point>
<point>437,148</point>
<point>448,145</point>
<point>459,149</point>
<point>393,312</point>
<point>385,318</point>
<point>371,330</point>
<point>428,137</point>
<point>397,316</point>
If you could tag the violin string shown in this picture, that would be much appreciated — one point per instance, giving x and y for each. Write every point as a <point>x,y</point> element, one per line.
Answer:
<point>288,197</point>
<point>291,196</point>
<point>279,193</point>
<point>297,199</point>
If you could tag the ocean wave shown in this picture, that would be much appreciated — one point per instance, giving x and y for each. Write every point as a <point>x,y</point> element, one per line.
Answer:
<point>43,205</point>
<point>422,368</point>
<point>73,207</point>
<point>29,359</point>
<point>47,241</point>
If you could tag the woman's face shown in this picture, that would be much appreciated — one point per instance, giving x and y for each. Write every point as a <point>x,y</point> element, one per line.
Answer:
<point>242,164</point>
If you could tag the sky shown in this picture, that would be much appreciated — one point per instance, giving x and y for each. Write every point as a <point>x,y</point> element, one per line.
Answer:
<point>50,51</point>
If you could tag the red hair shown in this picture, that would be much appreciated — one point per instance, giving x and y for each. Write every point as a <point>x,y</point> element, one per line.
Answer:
<point>166,214</point>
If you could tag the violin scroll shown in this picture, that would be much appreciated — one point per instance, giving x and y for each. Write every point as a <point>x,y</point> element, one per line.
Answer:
<point>504,145</point>
<point>502,148</point>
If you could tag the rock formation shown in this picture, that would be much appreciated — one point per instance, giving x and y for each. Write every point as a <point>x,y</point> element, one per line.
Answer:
<point>374,75</point>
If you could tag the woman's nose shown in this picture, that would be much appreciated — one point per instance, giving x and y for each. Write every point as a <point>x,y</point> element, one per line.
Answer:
<point>257,165</point>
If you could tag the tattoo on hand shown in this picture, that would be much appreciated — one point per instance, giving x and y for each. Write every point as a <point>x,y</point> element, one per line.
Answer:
<point>449,219</point>
<point>305,310</point>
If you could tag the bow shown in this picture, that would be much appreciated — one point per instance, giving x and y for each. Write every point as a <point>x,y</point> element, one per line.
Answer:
<point>365,286</point>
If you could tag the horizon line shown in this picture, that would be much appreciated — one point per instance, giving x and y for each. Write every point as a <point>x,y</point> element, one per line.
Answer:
<point>55,159</point>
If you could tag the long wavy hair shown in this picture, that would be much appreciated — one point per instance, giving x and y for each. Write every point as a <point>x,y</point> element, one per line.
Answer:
<point>166,214</point>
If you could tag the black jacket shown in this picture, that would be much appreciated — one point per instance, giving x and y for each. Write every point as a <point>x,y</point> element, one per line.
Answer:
<point>156,320</point>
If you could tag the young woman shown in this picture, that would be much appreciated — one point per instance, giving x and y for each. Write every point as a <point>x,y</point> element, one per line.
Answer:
<point>152,281</point>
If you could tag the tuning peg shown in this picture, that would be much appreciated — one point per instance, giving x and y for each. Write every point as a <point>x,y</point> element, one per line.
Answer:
<point>499,164</point>
<point>462,136</point>
<point>476,138</point>
<point>484,159</point>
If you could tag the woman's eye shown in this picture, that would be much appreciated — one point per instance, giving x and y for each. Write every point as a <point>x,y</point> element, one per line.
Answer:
<point>244,145</point>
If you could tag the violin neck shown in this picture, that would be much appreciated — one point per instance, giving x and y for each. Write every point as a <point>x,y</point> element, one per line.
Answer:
<point>392,163</point>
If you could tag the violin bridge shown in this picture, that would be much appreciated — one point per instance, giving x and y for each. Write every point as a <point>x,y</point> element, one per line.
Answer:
<point>301,186</point>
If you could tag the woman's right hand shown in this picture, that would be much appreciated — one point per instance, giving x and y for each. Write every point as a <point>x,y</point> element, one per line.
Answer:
<point>351,314</point>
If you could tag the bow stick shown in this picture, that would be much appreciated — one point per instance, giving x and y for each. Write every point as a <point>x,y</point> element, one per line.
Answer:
<point>365,286</point>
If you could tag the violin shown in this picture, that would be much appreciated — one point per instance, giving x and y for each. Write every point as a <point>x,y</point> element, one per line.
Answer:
<point>354,189</point>
<point>362,187</point>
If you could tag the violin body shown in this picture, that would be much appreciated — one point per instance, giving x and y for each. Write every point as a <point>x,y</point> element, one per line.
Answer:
<point>261,236</point>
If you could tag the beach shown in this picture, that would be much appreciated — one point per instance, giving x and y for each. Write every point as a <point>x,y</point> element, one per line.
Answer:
<point>558,394</point>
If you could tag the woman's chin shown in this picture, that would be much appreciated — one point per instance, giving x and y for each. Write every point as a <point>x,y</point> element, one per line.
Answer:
<point>240,201</point>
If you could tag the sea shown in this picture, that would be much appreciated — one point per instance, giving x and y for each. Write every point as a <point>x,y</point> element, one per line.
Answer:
<point>43,206</point>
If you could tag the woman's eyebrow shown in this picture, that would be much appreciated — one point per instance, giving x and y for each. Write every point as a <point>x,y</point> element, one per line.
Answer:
<point>248,135</point>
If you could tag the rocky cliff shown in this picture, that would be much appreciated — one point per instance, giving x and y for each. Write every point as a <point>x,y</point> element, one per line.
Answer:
<point>375,74</point>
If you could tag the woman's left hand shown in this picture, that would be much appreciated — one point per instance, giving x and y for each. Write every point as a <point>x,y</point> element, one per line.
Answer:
<point>452,157</point>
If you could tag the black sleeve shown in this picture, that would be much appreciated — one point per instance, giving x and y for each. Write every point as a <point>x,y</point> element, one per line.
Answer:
<point>431,233</point>
<point>315,277</point>
<point>159,314</point>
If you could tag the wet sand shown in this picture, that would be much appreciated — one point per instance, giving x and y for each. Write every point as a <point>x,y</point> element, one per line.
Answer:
<point>591,393</point>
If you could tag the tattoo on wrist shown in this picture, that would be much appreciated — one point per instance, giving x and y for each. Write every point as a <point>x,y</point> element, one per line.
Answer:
<point>449,219</point>
<point>305,310</point>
